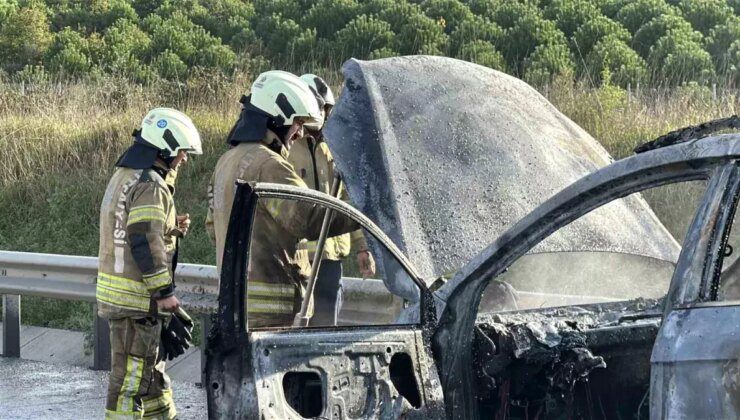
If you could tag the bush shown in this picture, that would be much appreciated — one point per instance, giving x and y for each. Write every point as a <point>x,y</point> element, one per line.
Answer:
<point>546,62</point>
<point>733,63</point>
<point>610,8</point>
<point>329,16</point>
<point>639,12</point>
<point>651,32</point>
<point>477,28</point>
<point>170,66</point>
<point>384,52</point>
<point>400,14</point>
<point>24,38</point>
<point>720,40</point>
<point>677,58</point>
<point>705,14</point>
<point>421,34</point>
<point>224,19</point>
<point>527,34</point>
<point>277,33</point>
<point>363,35</point>
<point>483,53</point>
<point>569,15</point>
<point>623,64</point>
<point>70,54</point>
<point>450,13</point>
<point>507,14</point>
<point>593,31</point>
<point>288,9</point>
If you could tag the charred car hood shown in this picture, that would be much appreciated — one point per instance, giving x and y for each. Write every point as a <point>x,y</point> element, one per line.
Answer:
<point>446,155</point>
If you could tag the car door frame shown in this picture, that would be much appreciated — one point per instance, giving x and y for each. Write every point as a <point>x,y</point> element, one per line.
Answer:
<point>229,360</point>
<point>459,299</point>
<point>695,346</point>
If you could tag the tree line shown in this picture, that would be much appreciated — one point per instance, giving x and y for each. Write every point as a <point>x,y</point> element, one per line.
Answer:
<point>649,42</point>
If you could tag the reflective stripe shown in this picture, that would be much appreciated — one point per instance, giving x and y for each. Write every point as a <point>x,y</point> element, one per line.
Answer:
<point>120,299</point>
<point>162,406</point>
<point>130,385</point>
<point>155,281</point>
<point>121,415</point>
<point>122,283</point>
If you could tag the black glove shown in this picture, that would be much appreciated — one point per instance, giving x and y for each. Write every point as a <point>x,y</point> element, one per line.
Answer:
<point>176,335</point>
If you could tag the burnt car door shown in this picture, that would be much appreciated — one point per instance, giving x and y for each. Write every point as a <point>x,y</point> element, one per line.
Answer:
<point>696,359</point>
<point>379,371</point>
<point>460,366</point>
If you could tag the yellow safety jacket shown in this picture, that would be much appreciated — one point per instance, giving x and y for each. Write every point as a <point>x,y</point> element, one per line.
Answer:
<point>314,163</point>
<point>138,232</point>
<point>277,273</point>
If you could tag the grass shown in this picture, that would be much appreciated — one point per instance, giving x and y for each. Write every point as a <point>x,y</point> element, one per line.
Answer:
<point>60,141</point>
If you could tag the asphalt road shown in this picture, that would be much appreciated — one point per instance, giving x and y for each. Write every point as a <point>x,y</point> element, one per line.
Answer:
<point>38,390</point>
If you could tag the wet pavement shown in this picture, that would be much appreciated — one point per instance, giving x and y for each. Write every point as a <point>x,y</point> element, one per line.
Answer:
<point>38,390</point>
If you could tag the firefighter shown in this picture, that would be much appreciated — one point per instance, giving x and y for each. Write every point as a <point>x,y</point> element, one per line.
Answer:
<point>271,121</point>
<point>139,229</point>
<point>313,161</point>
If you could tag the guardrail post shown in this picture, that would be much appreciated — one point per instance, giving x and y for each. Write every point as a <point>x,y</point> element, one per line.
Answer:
<point>101,342</point>
<point>205,328</point>
<point>11,325</point>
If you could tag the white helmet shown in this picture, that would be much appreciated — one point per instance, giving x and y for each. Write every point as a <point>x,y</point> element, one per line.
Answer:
<point>320,88</point>
<point>170,131</point>
<point>284,96</point>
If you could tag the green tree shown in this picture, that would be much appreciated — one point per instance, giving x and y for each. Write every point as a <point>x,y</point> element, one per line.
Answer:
<point>639,12</point>
<point>449,13</point>
<point>224,18</point>
<point>384,52</point>
<point>170,66</point>
<point>288,9</point>
<point>483,53</point>
<point>623,63</point>
<point>529,32</point>
<point>593,31</point>
<point>677,58</point>
<point>277,33</point>
<point>400,14</point>
<point>24,38</point>
<point>719,41</point>
<point>422,35</point>
<point>651,32</point>
<point>363,35</point>
<point>507,14</point>
<point>477,28</point>
<point>733,63</point>
<point>705,14</point>
<point>546,62</point>
<point>610,8</point>
<point>73,54</point>
<point>329,16</point>
<point>376,7</point>
<point>569,15</point>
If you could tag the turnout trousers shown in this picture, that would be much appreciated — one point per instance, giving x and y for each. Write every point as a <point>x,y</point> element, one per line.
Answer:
<point>138,387</point>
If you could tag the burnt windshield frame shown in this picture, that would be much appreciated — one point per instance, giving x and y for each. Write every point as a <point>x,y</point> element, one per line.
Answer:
<point>260,191</point>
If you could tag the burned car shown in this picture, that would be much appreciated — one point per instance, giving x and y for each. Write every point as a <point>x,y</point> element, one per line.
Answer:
<point>526,274</point>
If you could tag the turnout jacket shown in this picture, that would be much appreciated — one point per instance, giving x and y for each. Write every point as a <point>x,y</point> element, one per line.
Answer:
<point>138,232</point>
<point>276,271</point>
<point>314,163</point>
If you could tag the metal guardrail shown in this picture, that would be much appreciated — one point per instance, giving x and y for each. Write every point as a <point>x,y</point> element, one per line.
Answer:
<point>73,278</point>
